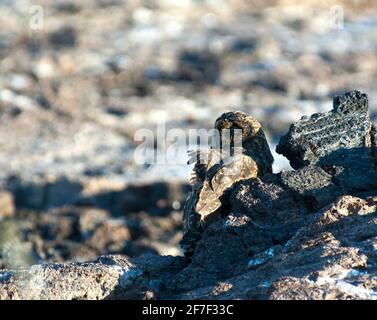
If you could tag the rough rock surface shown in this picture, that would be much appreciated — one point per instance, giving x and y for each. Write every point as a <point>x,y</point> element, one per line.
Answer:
<point>313,138</point>
<point>309,233</point>
<point>133,221</point>
<point>332,257</point>
<point>109,277</point>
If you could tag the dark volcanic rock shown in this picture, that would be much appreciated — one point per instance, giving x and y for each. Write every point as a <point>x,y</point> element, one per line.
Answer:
<point>312,138</point>
<point>334,152</point>
<point>331,257</point>
<point>353,170</point>
<point>267,201</point>
<point>38,195</point>
<point>313,184</point>
<point>263,213</point>
<point>309,233</point>
<point>60,221</point>
<point>342,142</point>
<point>267,212</point>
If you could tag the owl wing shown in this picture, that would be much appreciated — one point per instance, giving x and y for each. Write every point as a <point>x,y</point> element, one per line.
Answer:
<point>204,161</point>
<point>239,168</point>
<point>192,229</point>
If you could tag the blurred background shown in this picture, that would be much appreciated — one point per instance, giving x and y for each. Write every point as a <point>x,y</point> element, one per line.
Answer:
<point>79,78</point>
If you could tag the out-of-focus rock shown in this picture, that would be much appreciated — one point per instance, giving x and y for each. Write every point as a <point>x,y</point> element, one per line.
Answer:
<point>41,195</point>
<point>62,192</point>
<point>155,233</point>
<point>15,252</point>
<point>68,7</point>
<point>158,199</point>
<point>332,256</point>
<point>62,282</point>
<point>90,218</point>
<point>62,220</point>
<point>45,68</point>
<point>198,67</point>
<point>65,37</point>
<point>7,205</point>
<point>111,236</point>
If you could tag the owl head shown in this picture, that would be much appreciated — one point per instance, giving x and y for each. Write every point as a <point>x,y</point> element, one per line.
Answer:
<point>238,120</point>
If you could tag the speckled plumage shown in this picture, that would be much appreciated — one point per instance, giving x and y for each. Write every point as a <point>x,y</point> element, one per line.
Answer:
<point>210,179</point>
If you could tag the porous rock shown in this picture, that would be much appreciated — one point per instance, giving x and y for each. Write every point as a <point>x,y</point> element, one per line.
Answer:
<point>331,257</point>
<point>346,126</point>
<point>309,233</point>
<point>109,277</point>
<point>267,212</point>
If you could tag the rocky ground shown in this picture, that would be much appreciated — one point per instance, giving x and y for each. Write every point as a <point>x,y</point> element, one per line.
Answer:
<point>74,92</point>
<point>308,233</point>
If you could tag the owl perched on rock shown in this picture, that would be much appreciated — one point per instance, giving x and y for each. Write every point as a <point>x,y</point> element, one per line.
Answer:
<point>217,169</point>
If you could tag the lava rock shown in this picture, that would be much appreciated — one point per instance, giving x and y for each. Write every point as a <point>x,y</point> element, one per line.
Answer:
<point>331,257</point>
<point>267,212</point>
<point>312,138</point>
<point>309,233</point>
<point>313,184</point>
<point>110,236</point>
<point>109,277</point>
<point>353,170</point>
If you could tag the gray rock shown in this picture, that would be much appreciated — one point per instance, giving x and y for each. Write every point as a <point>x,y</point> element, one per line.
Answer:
<point>313,184</point>
<point>109,277</point>
<point>331,257</point>
<point>300,234</point>
<point>346,126</point>
<point>267,212</point>
<point>353,171</point>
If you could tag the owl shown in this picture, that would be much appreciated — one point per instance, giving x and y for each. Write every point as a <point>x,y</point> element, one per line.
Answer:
<point>217,169</point>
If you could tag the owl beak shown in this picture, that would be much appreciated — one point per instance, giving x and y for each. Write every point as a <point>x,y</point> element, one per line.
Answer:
<point>227,124</point>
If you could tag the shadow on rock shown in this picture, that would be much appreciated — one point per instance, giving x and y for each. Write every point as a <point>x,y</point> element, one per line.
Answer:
<point>58,223</point>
